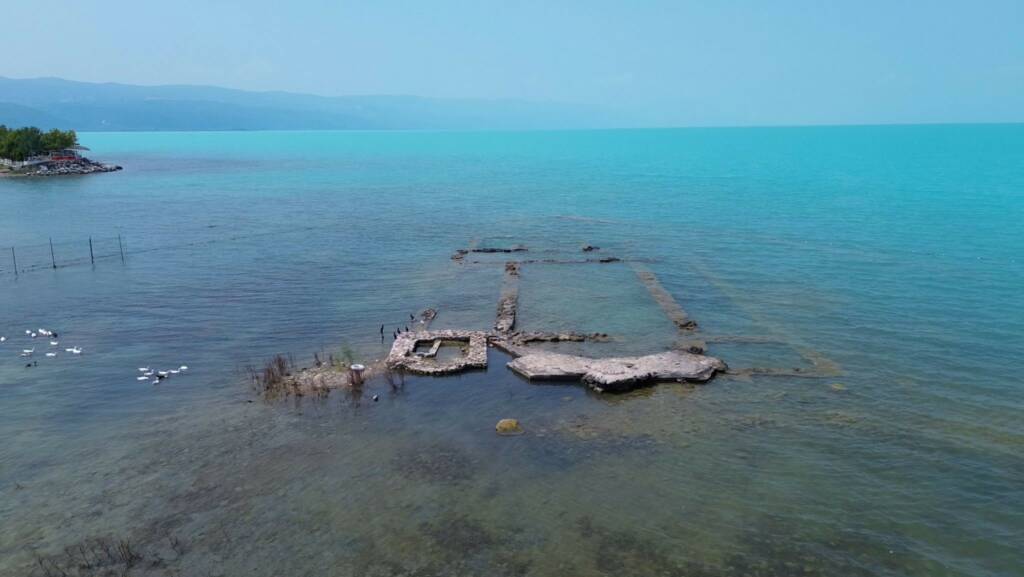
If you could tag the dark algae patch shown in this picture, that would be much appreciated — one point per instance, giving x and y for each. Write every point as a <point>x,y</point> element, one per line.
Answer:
<point>450,546</point>
<point>113,557</point>
<point>434,463</point>
<point>768,547</point>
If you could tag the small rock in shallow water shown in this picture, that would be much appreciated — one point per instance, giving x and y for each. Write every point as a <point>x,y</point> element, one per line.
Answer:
<point>508,427</point>
<point>837,387</point>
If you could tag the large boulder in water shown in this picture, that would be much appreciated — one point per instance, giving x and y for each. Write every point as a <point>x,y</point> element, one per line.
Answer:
<point>508,427</point>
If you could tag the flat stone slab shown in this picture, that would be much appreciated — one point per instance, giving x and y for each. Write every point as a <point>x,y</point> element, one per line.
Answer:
<point>403,352</point>
<point>618,374</point>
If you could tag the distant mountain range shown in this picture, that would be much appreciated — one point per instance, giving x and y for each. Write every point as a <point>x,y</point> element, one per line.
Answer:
<point>83,106</point>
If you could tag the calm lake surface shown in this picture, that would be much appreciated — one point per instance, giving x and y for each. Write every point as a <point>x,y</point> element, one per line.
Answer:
<point>893,252</point>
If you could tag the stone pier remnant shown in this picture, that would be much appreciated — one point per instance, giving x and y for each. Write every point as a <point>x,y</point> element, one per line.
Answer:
<point>426,317</point>
<point>619,374</point>
<point>516,248</point>
<point>509,301</point>
<point>462,252</point>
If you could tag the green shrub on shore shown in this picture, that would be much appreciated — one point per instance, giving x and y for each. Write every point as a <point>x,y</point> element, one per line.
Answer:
<point>21,143</point>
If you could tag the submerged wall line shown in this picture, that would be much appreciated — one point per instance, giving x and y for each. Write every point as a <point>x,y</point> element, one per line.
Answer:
<point>673,310</point>
<point>509,301</point>
<point>821,365</point>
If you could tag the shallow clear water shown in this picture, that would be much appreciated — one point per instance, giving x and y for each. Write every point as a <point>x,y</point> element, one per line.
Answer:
<point>892,252</point>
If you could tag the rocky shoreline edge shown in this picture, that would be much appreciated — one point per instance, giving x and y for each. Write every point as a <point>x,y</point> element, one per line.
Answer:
<point>63,168</point>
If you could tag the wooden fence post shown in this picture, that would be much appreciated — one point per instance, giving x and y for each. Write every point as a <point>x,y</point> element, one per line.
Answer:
<point>120,247</point>
<point>92,259</point>
<point>14,257</point>
<point>53,259</point>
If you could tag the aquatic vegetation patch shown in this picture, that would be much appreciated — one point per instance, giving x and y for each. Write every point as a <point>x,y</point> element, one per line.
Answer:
<point>272,380</point>
<point>468,547</point>
<point>577,441</point>
<point>775,547</point>
<point>110,557</point>
<point>435,463</point>
<point>618,552</point>
<point>453,545</point>
<point>766,547</point>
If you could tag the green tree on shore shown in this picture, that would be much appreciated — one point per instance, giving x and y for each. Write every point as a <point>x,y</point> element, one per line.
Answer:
<point>21,143</point>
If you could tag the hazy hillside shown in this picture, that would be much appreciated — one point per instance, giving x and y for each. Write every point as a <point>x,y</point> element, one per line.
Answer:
<point>56,103</point>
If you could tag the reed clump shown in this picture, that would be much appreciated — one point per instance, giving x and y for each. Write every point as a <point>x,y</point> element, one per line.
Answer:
<point>280,377</point>
<point>96,557</point>
<point>273,380</point>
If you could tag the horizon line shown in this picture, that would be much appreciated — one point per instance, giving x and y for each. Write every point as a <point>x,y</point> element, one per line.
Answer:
<point>583,129</point>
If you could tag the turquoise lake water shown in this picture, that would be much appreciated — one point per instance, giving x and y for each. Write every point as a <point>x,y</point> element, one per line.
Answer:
<point>892,255</point>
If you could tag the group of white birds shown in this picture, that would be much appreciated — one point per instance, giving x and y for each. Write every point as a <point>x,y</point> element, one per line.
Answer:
<point>147,373</point>
<point>157,376</point>
<point>53,343</point>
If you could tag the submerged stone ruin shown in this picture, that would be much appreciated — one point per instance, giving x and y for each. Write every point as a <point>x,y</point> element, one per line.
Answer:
<point>422,351</point>
<point>417,351</point>
<point>406,353</point>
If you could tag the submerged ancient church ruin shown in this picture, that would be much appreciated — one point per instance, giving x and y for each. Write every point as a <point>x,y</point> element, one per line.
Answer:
<point>422,351</point>
<point>540,356</point>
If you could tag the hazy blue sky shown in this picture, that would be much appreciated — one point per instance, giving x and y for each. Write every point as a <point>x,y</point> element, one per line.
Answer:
<point>674,62</point>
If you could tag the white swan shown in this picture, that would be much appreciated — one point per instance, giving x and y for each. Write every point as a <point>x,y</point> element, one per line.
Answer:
<point>183,368</point>
<point>51,354</point>
<point>143,369</point>
<point>141,378</point>
<point>54,343</point>
<point>74,350</point>
<point>2,339</point>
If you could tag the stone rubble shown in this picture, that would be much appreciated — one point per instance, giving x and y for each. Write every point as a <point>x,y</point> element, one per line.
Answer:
<point>83,166</point>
